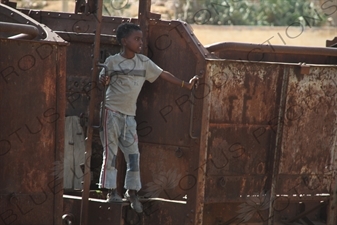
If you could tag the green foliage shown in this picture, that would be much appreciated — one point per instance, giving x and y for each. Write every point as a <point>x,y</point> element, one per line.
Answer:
<point>115,7</point>
<point>226,13</point>
<point>243,12</point>
<point>287,12</point>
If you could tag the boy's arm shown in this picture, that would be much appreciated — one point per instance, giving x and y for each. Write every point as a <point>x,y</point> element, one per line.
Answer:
<point>174,80</point>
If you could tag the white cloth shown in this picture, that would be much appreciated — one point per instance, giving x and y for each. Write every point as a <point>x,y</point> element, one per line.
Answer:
<point>74,148</point>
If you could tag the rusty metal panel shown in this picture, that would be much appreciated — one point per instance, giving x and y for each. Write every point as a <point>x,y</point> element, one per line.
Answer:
<point>77,23</point>
<point>162,105</point>
<point>159,211</point>
<point>244,102</point>
<point>307,164</point>
<point>273,53</point>
<point>171,117</point>
<point>309,131</point>
<point>32,88</point>
<point>99,213</point>
<point>271,144</point>
<point>167,176</point>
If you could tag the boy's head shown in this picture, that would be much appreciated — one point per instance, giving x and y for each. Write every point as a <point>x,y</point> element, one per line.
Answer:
<point>125,29</point>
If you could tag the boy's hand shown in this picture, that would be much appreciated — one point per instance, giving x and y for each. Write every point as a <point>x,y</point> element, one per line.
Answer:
<point>193,82</point>
<point>105,80</point>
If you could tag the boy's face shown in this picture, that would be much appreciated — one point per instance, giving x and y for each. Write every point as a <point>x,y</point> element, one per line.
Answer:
<point>134,41</point>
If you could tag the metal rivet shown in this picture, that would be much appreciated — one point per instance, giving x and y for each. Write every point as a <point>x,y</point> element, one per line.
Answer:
<point>222,182</point>
<point>179,153</point>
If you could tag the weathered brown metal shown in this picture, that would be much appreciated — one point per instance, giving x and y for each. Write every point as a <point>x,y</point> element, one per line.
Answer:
<point>32,90</point>
<point>91,112</point>
<point>30,31</point>
<point>32,105</point>
<point>279,49</point>
<point>256,163</point>
<point>309,125</point>
<point>331,43</point>
<point>239,127</point>
<point>273,53</point>
<point>229,152</point>
<point>99,212</point>
<point>144,8</point>
<point>87,38</point>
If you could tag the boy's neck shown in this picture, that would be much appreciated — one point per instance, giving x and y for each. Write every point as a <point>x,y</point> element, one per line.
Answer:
<point>127,54</point>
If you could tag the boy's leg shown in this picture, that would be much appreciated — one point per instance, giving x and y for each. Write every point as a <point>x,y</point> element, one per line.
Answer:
<point>109,139</point>
<point>129,146</point>
<point>128,143</point>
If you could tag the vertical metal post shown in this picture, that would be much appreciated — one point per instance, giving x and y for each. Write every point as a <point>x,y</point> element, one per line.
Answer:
<point>203,151</point>
<point>143,18</point>
<point>278,145</point>
<point>92,104</point>
<point>332,206</point>
<point>60,124</point>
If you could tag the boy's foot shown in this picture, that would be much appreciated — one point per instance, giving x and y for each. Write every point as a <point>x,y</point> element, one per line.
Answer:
<point>113,196</point>
<point>135,203</point>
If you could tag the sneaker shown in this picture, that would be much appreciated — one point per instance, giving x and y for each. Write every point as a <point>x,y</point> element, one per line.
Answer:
<point>113,196</point>
<point>135,203</point>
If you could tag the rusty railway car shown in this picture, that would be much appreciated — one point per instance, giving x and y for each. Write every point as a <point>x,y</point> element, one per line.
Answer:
<point>255,143</point>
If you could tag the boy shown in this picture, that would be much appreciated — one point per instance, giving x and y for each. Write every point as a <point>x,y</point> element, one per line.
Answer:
<point>128,71</point>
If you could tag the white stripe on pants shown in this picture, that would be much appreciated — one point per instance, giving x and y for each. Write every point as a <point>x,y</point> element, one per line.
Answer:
<point>119,130</point>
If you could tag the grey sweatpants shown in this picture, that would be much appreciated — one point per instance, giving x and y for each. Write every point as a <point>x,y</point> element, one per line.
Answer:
<point>119,130</point>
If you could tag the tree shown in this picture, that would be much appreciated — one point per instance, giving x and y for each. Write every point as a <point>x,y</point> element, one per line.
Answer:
<point>115,7</point>
<point>288,12</point>
<point>244,12</point>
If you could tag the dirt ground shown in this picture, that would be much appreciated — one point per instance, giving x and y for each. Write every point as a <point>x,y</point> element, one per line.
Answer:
<point>208,34</point>
<point>314,37</point>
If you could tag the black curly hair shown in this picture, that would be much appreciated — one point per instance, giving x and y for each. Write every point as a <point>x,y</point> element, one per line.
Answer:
<point>125,29</point>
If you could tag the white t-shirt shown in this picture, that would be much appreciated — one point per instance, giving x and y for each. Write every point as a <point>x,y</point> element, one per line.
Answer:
<point>127,79</point>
